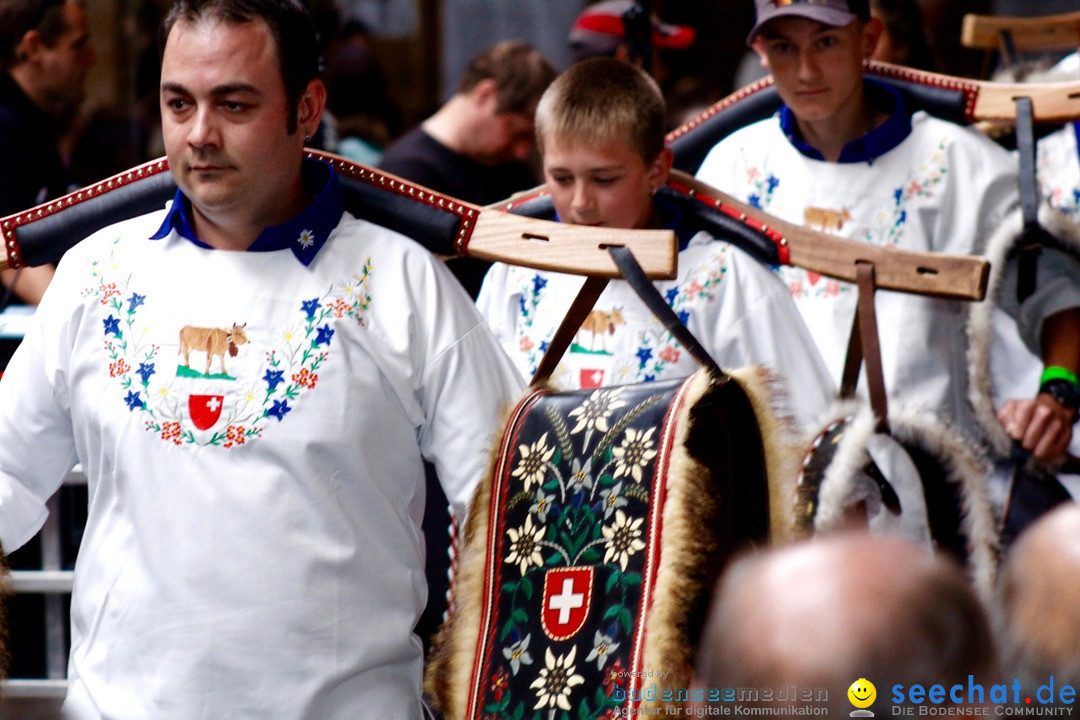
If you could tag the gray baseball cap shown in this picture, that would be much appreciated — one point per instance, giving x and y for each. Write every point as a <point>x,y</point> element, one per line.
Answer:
<point>830,12</point>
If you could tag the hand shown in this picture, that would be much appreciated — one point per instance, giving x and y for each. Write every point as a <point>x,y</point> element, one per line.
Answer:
<point>1041,426</point>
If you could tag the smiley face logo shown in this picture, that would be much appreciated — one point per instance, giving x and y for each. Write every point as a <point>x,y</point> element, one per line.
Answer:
<point>862,693</point>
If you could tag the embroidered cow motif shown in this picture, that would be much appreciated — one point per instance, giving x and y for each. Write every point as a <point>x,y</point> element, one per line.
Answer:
<point>824,219</point>
<point>601,323</point>
<point>213,342</point>
<point>196,409</point>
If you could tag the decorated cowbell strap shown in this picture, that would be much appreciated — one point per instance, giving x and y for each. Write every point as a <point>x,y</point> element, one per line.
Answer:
<point>864,347</point>
<point>586,298</point>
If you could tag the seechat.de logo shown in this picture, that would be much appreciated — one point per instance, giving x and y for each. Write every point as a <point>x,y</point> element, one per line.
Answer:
<point>862,694</point>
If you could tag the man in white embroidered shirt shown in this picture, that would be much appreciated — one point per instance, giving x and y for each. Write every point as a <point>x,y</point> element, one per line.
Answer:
<point>250,379</point>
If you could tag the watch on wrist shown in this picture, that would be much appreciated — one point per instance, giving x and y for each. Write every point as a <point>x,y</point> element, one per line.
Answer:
<point>1067,394</point>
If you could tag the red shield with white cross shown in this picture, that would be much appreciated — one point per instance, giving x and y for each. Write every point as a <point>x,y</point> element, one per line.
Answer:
<point>567,596</point>
<point>589,378</point>
<point>205,409</point>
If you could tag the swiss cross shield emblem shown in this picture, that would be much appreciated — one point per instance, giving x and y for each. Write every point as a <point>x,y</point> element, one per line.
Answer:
<point>589,378</point>
<point>567,596</point>
<point>205,409</point>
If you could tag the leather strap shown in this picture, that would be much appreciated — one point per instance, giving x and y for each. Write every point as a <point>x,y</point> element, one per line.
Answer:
<point>1032,235</point>
<point>571,323</point>
<point>586,298</point>
<point>864,348</point>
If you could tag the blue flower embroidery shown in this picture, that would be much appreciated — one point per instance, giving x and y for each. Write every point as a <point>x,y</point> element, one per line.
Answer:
<point>273,378</point>
<point>310,306</point>
<point>671,295</point>
<point>755,200</point>
<point>684,316</point>
<point>644,354</point>
<point>145,371</point>
<point>650,378</point>
<point>278,409</point>
<point>135,301</point>
<point>134,402</point>
<point>544,346</point>
<point>899,195</point>
<point>772,182</point>
<point>539,283</point>
<point>112,325</point>
<point>325,333</point>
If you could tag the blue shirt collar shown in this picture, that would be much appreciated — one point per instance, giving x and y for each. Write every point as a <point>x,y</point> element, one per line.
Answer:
<point>304,234</point>
<point>875,143</point>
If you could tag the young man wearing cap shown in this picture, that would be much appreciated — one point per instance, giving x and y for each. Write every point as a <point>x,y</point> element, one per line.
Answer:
<point>846,156</point>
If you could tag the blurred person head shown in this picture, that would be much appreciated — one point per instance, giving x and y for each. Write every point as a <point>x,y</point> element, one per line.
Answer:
<point>1038,615</point>
<point>45,47</point>
<point>601,31</point>
<point>840,608</point>
<point>490,117</point>
<point>600,131</point>
<point>902,41</point>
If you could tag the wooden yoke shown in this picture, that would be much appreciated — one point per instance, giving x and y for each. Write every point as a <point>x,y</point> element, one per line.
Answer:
<point>1050,32</point>
<point>959,277</point>
<point>445,225</point>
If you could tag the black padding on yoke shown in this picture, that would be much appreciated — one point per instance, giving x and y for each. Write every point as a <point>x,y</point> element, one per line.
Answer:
<point>46,240</point>
<point>432,227</point>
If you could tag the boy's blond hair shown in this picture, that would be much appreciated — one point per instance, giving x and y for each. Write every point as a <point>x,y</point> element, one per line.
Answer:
<point>602,99</point>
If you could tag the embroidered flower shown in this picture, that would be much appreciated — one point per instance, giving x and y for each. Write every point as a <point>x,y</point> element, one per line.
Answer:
<point>539,283</point>
<point>518,654</point>
<point>556,680</point>
<point>305,378</point>
<point>340,307</point>
<point>669,354</point>
<point>614,677</point>
<point>499,684</point>
<point>623,539</point>
<point>525,344</point>
<point>118,368</point>
<point>542,505</point>
<point>525,545</point>
<point>306,239</point>
<point>135,301</point>
<point>671,295</point>
<point>594,412</point>
<point>634,453</point>
<point>533,464</point>
<point>644,355</point>
<point>279,409</point>
<point>134,401</point>
<point>235,435</point>
<point>603,646</point>
<point>611,499</point>
<point>172,431</point>
<point>580,475</point>
<point>309,307</point>
<point>323,337</point>
<point>145,371</point>
<point>273,378</point>
<point>112,325</point>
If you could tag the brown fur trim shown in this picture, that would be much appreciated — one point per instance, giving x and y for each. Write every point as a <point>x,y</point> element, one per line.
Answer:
<point>784,447</point>
<point>979,328</point>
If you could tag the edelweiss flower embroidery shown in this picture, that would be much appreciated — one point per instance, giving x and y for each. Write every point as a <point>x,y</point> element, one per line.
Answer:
<point>556,680</point>
<point>603,646</point>
<point>533,465</point>
<point>634,453</point>
<point>594,412</point>
<point>518,654</point>
<point>623,539</point>
<point>525,545</point>
<point>306,239</point>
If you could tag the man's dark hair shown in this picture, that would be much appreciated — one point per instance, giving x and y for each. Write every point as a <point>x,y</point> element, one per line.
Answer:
<point>521,75</point>
<point>18,17</point>
<point>289,24</point>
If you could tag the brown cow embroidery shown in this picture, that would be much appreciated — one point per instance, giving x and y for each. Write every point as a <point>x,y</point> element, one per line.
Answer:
<point>212,341</point>
<point>601,323</point>
<point>824,219</point>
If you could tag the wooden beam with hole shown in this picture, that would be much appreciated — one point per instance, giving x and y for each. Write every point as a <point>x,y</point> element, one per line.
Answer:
<point>1049,32</point>
<point>961,277</point>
